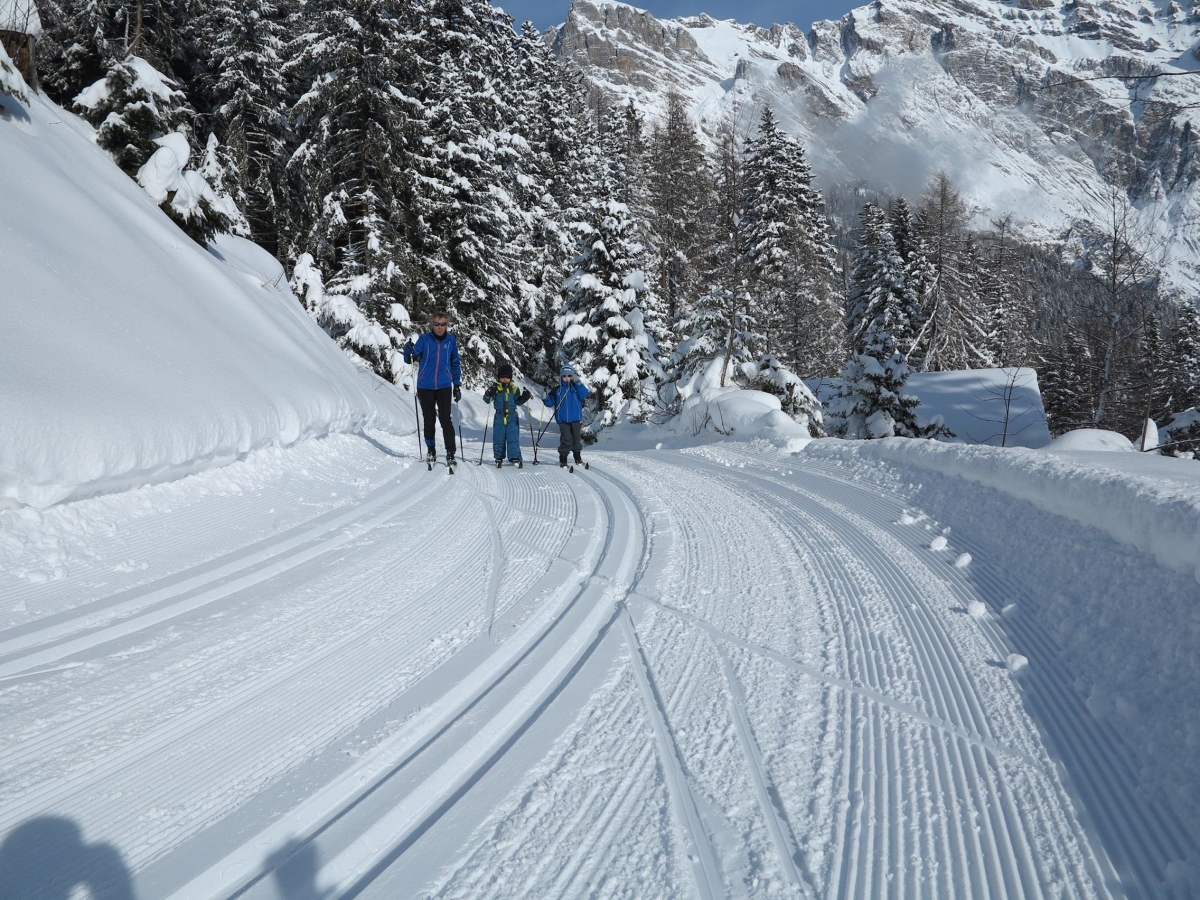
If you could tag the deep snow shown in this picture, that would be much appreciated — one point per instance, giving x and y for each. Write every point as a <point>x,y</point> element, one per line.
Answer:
<point>128,354</point>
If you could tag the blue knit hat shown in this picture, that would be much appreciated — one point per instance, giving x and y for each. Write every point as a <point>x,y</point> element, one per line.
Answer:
<point>566,370</point>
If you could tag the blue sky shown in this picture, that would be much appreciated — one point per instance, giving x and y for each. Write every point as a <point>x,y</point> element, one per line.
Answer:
<point>545,13</point>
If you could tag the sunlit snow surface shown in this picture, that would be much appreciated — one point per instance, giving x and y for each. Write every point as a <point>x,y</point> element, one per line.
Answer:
<point>130,354</point>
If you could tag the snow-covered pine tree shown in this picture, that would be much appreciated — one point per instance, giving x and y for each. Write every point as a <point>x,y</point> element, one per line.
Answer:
<point>1184,379</point>
<point>1155,372</point>
<point>954,332</point>
<point>245,89</point>
<point>721,340</point>
<point>144,121</point>
<point>916,276</point>
<point>602,324</point>
<point>1005,297</point>
<point>877,289</point>
<point>871,401</point>
<point>347,173</point>
<point>1064,377</point>
<point>795,398</point>
<point>679,194</point>
<point>467,219</point>
<point>789,254</point>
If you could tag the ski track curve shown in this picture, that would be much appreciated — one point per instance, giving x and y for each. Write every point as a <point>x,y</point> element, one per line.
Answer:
<point>971,838</point>
<point>793,703</point>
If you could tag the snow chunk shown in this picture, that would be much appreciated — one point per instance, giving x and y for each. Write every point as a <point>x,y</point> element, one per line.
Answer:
<point>964,560</point>
<point>978,609</point>
<point>938,543</point>
<point>1016,663</point>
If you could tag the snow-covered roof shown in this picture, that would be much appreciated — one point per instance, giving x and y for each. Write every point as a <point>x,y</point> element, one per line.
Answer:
<point>19,15</point>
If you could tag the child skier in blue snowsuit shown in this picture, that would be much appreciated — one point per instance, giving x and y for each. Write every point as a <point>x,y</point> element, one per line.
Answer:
<point>567,402</point>
<point>506,425</point>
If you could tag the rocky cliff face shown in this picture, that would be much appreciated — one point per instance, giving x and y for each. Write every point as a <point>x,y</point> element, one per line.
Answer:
<point>1003,96</point>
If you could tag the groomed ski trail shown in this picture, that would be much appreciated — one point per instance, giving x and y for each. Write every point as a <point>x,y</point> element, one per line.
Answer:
<point>709,674</point>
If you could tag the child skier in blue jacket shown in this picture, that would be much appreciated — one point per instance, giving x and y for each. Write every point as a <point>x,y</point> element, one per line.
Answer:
<point>506,425</point>
<point>567,402</point>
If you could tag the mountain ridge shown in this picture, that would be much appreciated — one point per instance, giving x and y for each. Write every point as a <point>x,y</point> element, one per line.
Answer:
<point>1002,96</point>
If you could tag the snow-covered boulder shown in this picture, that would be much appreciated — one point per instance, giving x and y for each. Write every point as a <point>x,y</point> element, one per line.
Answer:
<point>1092,440</point>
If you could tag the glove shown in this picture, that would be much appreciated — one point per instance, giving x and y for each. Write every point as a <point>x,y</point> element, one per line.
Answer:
<point>457,393</point>
<point>523,396</point>
<point>489,395</point>
<point>408,347</point>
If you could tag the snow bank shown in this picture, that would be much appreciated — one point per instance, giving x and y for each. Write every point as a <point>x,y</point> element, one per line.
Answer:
<point>741,413</point>
<point>975,404</point>
<point>129,354</point>
<point>1093,440</point>
<point>1139,504</point>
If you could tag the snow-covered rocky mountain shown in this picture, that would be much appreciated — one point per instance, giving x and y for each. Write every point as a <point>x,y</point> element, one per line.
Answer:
<point>1000,95</point>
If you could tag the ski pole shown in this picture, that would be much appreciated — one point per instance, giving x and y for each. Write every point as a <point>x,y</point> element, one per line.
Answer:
<point>416,411</point>
<point>483,445</point>
<point>530,418</point>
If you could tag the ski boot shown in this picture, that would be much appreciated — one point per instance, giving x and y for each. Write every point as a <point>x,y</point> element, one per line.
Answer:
<point>520,464</point>
<point>430,458</point>
<point>579,462</point>
<point>499,464</point>
<point>450,462</point>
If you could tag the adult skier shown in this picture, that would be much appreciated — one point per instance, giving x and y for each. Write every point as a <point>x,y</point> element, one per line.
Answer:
<point>567,402</point>
<point>439,377</point>
<point>506,426</point>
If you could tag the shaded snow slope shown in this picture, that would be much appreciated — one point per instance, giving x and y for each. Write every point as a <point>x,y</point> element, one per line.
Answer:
<point>128,354</point>
<point>1135,504</point>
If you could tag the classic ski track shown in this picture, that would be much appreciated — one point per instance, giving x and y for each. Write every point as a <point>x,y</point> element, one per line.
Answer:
<point>778,833</point>
<point>368,855</point>
<point>706,870</point>
<point>170,534</point>
<point>144,607</point>
<point>1142,838</point>
<point>379,846</point>
<point>1008,864</point>
<point>139,698</point>
<point>952,694</point>
<point>147,759</point>
<point>776,820</point>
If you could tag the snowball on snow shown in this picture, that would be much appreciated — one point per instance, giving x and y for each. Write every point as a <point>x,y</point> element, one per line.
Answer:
<point>978,609</point>
<point>964,560</point>
<point>938,543</point>
<point>1015,663</point>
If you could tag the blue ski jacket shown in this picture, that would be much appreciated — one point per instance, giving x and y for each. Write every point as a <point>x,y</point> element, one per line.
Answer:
<point>438,365</point>
<point>568,398</point>
<point>505,398</point>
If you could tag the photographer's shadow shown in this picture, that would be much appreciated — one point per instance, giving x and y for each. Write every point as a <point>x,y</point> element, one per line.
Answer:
<point>46,859</point>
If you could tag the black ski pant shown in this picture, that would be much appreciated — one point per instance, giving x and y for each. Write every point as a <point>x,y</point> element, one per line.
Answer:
<point>436,402</point>
<point>570,438</point>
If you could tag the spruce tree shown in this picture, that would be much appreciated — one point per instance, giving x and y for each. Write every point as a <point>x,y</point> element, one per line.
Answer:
<point>1184,379</point>
<point>871,401</point>
<point>877,289</point>
<point>954,331</point>
<point>789,255</point>
<point>347,174</point>
<point>246,90</point>
<point>602,324</point>
<point>679,185</point>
